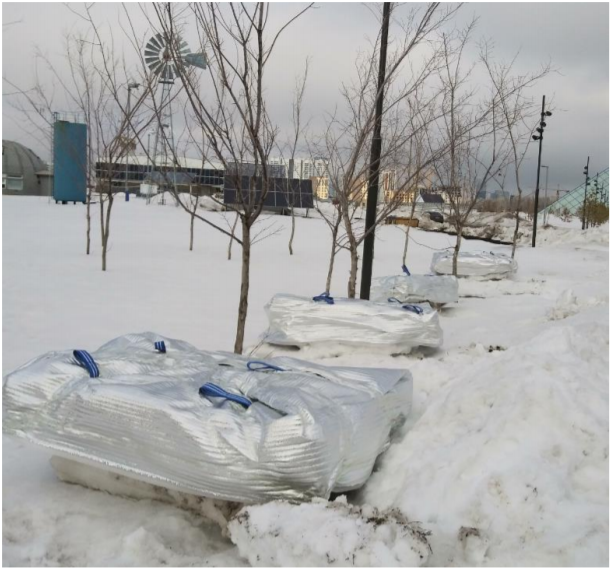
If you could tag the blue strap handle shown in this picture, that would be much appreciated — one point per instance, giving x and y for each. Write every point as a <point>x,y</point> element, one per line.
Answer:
<point>84,359</point>
<point>413,308</point>
<point>405,270</point>
<point>160,347</point>
<point>394,299</point>
<point>324,297</point>
<point>256,365</point>
<point>213,390</point>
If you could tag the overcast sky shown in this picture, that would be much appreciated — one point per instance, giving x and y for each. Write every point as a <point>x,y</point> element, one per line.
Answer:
<point>573,35</point>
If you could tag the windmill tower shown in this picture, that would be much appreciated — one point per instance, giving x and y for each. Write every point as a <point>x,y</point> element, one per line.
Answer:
<point>164,60</point>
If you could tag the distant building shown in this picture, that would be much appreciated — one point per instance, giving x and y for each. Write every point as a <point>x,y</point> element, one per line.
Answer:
<point>321,187</point>
<point>23,172</point>
<point>427,201</point>
<point>138,170</point>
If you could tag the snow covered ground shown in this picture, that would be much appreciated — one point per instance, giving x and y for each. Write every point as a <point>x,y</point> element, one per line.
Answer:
<point>504,458</point>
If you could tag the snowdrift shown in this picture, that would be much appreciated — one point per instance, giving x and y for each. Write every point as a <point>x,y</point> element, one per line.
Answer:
<point>323,533</point>
<point>479,264</point>
<point>435,289</point>
<point>301,321</point>
<point>207,423</point>
<point>509,464</point>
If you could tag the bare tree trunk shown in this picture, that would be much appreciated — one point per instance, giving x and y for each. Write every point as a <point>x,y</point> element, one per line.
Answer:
<point>404,253</point>
<point>103,233</point>
<point>88,221</point>
<point>106,232</point>
<point>292,231</point>
<point>456,252</point>
<point>333,254</point>
<point>232,234</point>
<point>192,231</point>
<point>515,235</point>
<point>242,312</point>
<point>353,273</point>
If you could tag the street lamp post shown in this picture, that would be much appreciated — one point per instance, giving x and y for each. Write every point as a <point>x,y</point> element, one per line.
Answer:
<point>584,203</point>
<point>546,200</point>
<point>130,86</point>
<point>538,137</point>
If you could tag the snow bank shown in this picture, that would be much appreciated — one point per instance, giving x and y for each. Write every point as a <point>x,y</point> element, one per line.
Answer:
<point>322,533</point>
<point>209,204</point>
<point>551,235</point>
<point>508,464</point>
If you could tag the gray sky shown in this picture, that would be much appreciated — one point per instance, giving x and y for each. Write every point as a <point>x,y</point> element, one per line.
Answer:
<point>573,35</point>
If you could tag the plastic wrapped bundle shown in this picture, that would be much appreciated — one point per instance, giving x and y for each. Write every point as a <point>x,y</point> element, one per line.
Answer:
<point>205,423</point>
<point>436,289</point>
<point>483,265</point>
<point>300,321</point>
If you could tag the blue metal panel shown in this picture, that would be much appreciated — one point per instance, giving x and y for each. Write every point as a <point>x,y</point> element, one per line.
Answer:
<point>70,162</point>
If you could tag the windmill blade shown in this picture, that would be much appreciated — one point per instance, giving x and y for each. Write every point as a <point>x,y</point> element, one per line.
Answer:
<point>197,60</point>
<point>154,43</point>
<point>158,67</point>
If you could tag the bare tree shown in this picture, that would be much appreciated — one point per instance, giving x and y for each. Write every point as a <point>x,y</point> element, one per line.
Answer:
<point>347,139</point>
<point>234,115</point>
<point>519,113</point>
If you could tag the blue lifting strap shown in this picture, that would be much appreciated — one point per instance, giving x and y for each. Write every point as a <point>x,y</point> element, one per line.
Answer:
<point>213,390</point>
<point>324,297</point>
<point>256,365</point>
<point>405,270</point>
<point>84,359</point>
<point>160,346</point>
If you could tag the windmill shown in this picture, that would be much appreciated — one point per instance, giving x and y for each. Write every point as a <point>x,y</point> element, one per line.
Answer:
<point>164,57</point>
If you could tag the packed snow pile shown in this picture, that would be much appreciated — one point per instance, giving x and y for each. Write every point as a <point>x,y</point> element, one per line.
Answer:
<point>471,288</point>
<point>553,235</point>
<point>209,204</point>
<point>484,265</point>
<point>323,320</point>
<point>515,448</point>
<point>321,533</point>
<point>436,289</point>
<point>209,423</point>
<point>567,304</point>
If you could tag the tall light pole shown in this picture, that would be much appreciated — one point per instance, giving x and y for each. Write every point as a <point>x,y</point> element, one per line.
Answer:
<point>130,86</point>
<point>373,183</point>
<point>538,137</point>
<point>546,201</point>
<point>584,203</point>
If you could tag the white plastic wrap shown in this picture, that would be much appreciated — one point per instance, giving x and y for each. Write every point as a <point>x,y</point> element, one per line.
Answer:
<point>483,265</point>
<point>308,429</point>
<point>436,289</point>
<point>301,321</point>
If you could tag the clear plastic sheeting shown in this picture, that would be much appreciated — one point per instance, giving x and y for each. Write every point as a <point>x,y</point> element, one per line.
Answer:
<point>436,289</point>
<point>483,265</point>
<point>299,321</point>
<point>307,429</point>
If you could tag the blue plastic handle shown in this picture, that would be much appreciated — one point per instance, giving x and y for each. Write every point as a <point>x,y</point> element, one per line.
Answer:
<point>213,390</point>
<point>84,359</point>
<point>324,297</point>
<point>257,365</point>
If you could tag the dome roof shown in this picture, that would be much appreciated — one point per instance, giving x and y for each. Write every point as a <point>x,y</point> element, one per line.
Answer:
<point>18,160</point>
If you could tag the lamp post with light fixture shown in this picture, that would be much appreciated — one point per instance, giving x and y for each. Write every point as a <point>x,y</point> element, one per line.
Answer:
<point>538,137</point>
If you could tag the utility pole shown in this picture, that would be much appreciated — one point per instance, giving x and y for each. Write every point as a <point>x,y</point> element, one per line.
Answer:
<point>539,137</point>
<point>373,184</point>
<point>584,203</point>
